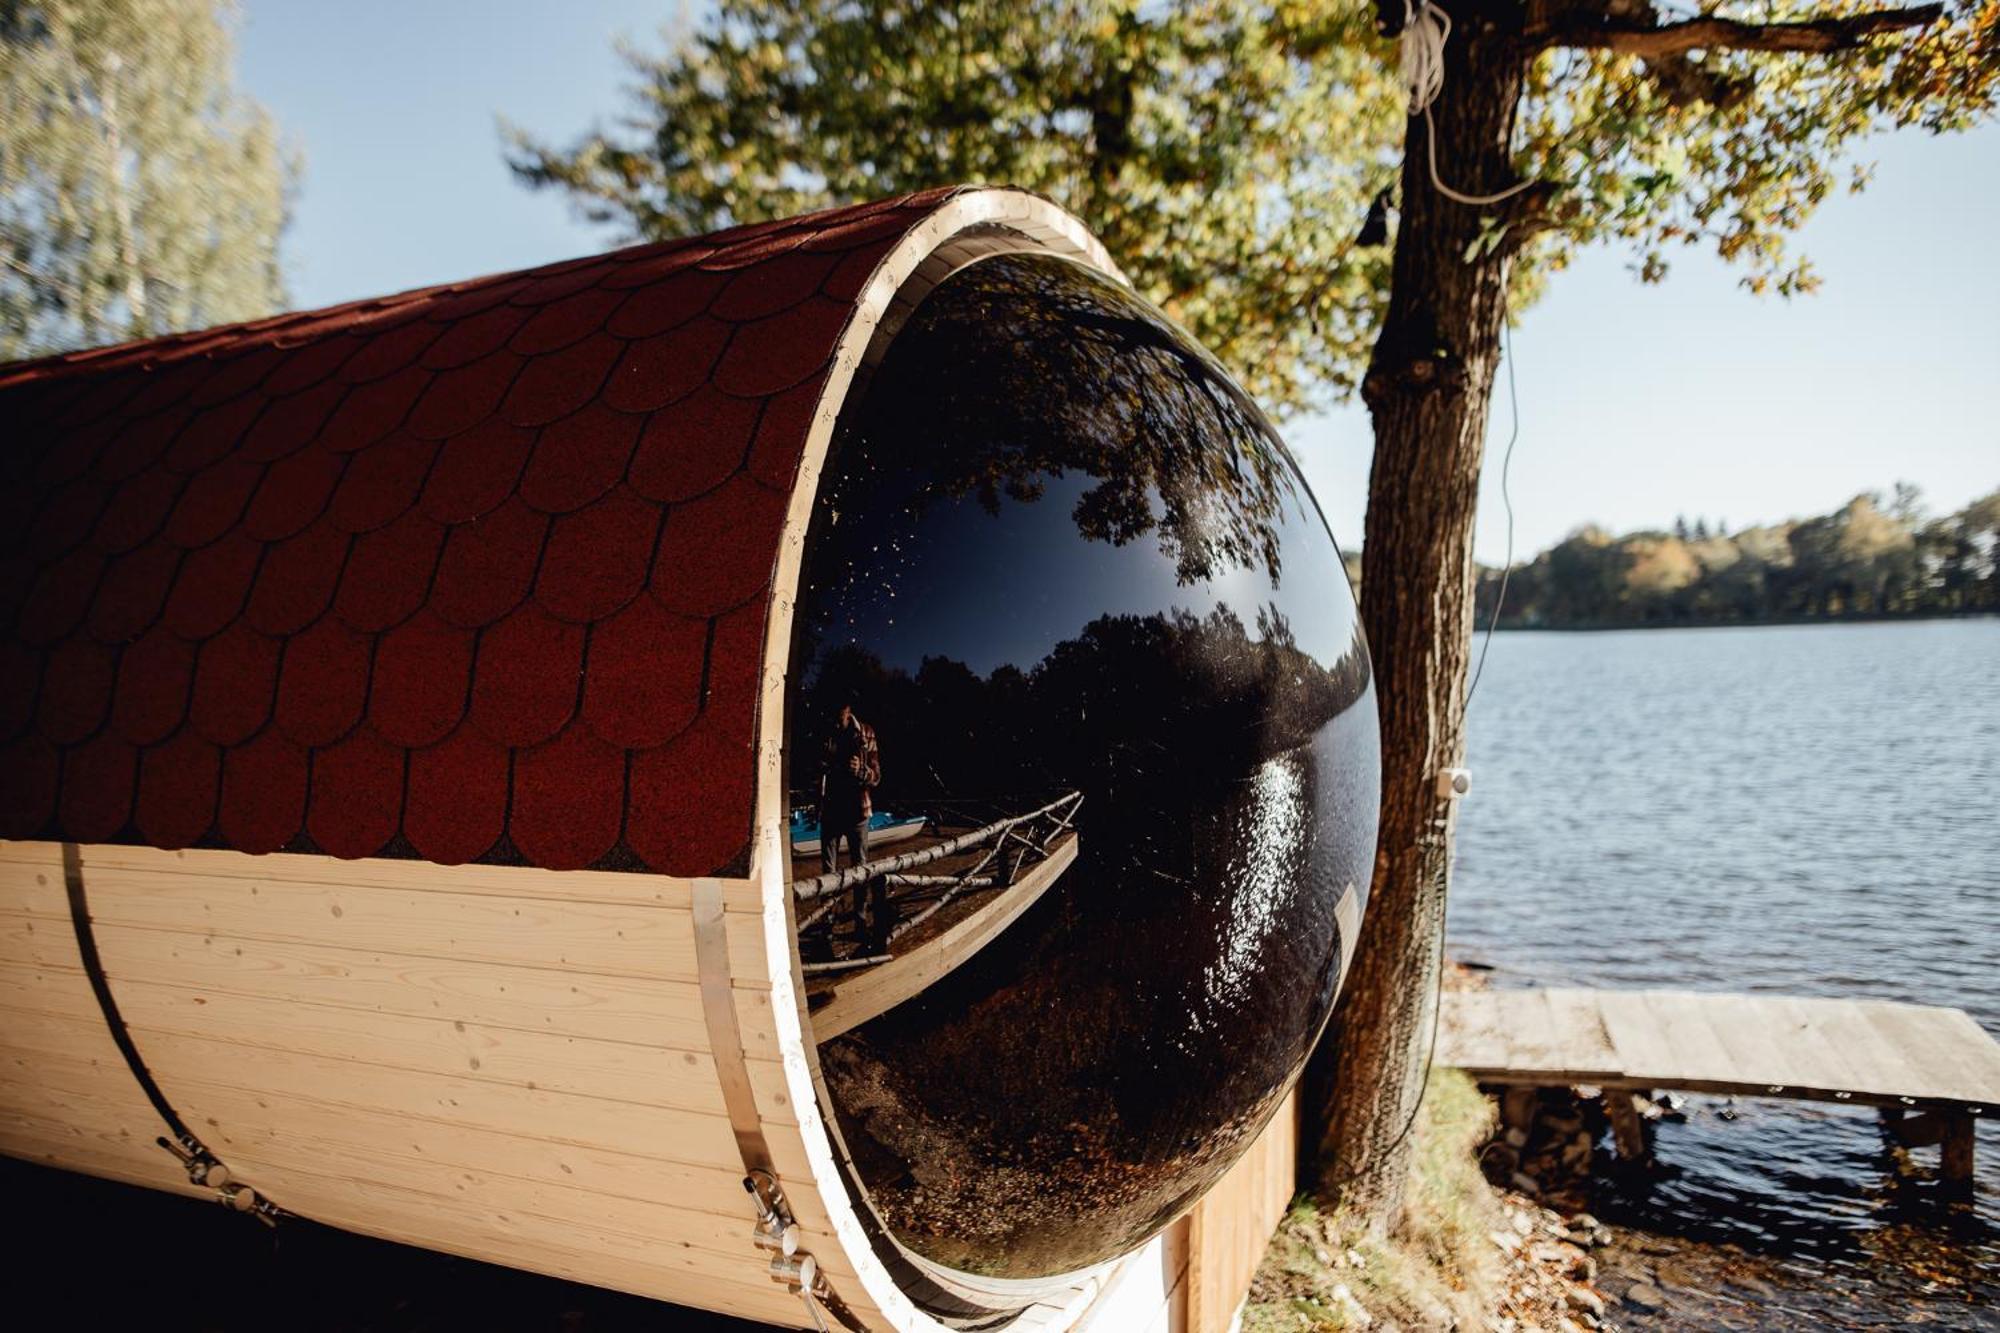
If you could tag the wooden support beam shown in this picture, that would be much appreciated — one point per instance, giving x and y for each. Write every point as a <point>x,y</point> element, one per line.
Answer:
<point>1628,1132</point>
<point>1956,1151</point>
<point>1916,1131</point>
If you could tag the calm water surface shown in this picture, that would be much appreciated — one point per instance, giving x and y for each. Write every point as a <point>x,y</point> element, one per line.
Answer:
<point>1812,810</point>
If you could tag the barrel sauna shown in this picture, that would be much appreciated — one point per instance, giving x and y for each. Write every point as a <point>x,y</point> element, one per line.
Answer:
<point>411,709</point>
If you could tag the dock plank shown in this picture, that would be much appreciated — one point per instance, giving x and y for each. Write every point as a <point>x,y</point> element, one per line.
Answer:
<point>1865,1051</point>
<point>1930,1049</point>
<point>1855,1055</point>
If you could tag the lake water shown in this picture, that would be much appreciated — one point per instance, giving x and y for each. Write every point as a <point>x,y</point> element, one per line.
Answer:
<point>1812,810</point>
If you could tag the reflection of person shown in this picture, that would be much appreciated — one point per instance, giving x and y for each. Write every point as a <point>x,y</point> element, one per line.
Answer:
<point>850,769</point>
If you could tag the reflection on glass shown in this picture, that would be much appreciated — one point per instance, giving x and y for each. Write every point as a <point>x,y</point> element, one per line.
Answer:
<point>1061,563</point>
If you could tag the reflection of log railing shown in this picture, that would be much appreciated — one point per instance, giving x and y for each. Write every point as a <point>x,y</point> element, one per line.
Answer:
<point>1006,846</point>
<point>1058,814</point>
<point>853,995</point>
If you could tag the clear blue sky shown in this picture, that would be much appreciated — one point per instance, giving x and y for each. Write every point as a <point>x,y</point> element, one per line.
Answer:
<point>1637,403</point>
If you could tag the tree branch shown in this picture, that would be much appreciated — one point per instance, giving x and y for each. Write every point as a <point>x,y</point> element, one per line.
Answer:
<point>1709,33</point>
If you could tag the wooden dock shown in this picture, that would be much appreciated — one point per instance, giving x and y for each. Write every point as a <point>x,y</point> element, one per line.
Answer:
<point>1934,1064</point>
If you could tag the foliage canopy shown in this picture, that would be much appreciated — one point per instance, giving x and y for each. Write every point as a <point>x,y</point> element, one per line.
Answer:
<point>1870,557</point>
<point>139,192</point>
<point>1223,152</point>
<point>1226,151</point>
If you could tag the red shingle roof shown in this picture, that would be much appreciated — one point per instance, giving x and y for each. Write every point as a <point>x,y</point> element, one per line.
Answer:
<point>476,572</point>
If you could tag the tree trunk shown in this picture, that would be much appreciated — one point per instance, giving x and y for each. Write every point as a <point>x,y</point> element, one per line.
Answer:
<point>1428,388</point>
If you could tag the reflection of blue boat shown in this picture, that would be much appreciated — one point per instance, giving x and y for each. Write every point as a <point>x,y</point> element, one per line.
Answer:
<point>883,828</point>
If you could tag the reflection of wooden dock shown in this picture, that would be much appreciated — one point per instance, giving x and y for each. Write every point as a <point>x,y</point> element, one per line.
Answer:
<point>844,1000</point>
<point>1901,1058</point>
<point>951,893</point>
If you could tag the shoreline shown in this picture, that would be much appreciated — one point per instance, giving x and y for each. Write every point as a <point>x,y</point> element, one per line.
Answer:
<point>1776,622</point>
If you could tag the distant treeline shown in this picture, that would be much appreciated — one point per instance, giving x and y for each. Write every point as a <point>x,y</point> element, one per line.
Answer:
<point>1871,557</point>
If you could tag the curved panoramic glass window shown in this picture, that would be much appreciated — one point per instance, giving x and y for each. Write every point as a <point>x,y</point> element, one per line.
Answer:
<point>1078,662</point>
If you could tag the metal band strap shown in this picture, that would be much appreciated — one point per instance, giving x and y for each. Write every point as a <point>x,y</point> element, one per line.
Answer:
<point>203,1167</point>
<point>732,1073</point>
<point>93,968</point>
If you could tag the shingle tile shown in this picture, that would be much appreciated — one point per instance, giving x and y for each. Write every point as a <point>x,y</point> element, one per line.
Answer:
<point>569,799</point>
<point>29,767</point>
<point>774,354</point>
<point>389,572</point>
<point>644,685</point>
<point>665,305</point>
<point>263,794</point>
<point>774,453</point>
<point>133,592</point>
<point>558,383</point>
<point>293,492</point>
<point>597,557</point>
<point>212,502</point>
<point>58,597</point>
<point>422,668</point>
<point>357,795</point>
<point>694,447</point>
<point>489,564</point>
<point>287,428</point>
<point>560,323</point>
<point>473,337</point>
<point>20,682</point>
<point>387,353</point>
<point>71,512</point>
<point>323,682</point>
<point>76,690</point>
<point>99,781</point>
<point>235,683</point>
<point>381,483</point>
<point>476,471</point>
<point>371,411</point>
<point>657,371</point>
<point>140,444</point>
<point>296,581</point>
<point>211,433</point>
<point>579,458</point>
<point>312,364</point>
<point>212,585</point>
<point>777,284</point>
<point>154,676</point>
<point>457,801</point>
<point>137,509</point>
<point>178,784</point>
<point>462,397</point>
<point>698,825</point>
<point>235,375</point>
<point>696,572</point>
<point>528,677</point>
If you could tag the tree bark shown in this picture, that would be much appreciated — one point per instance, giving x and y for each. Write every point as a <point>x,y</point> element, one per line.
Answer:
<point>1428,388</point>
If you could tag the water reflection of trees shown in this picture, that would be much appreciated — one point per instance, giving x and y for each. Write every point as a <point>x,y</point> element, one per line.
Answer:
<point>1069,1088</point>
<point>1104,709</point>
<point>1077,375</point>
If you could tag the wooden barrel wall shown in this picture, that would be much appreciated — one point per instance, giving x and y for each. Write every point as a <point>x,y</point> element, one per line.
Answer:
<point>404,683</point>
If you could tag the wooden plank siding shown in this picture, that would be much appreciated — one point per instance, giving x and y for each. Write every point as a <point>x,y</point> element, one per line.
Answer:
<point>76,1106</point>
<point>1231,1227</point>
<point>503,1063</point>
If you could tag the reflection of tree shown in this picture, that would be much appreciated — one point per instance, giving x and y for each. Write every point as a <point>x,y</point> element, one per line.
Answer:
<point>1020,369</point>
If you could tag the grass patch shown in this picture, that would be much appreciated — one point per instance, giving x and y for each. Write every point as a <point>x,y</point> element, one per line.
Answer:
<point>1326,1270</point>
